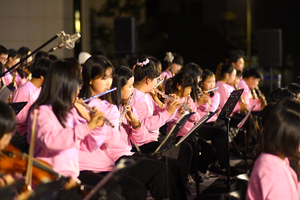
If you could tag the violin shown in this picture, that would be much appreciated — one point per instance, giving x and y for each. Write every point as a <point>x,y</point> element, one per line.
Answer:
<point>13,161</point>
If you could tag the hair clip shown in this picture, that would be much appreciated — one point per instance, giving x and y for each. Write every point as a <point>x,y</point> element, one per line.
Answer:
<point>141,64</point>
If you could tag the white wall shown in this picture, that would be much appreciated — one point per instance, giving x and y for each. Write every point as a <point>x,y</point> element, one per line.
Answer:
<point>33,22</point>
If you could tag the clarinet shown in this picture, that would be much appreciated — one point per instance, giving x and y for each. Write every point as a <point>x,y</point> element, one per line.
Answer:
<point>124,111</point>
<point>99,95</point>
<point>106,121</point>
<point>242,98</point>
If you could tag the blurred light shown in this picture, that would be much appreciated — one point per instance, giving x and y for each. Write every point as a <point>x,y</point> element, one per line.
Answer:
<point>77,22</point>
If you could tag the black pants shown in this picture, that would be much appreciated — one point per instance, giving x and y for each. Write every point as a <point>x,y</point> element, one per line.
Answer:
<point>162,181</point>
<point>218,136</point>
<point>127,188</point>
<point>184,156</point>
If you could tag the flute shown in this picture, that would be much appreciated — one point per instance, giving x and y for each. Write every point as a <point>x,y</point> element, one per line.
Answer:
<point>99,95</point>
<point>209,90</point>
<point>171,98</point>
<point>107,122</point>
<point>124,111</point>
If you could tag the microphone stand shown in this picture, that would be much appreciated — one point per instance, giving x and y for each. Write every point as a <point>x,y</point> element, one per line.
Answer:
<point>23,59</point>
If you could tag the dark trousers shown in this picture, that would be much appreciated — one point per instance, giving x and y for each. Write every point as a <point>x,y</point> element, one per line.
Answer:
<point>127,187</point>
<point>218,136</point>
<point>162,181</point>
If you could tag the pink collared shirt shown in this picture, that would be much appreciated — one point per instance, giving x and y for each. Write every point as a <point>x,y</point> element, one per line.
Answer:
<point>272,178</point>
<point>248,98</point>
<point>101,160</point>
<point>7,79</point>
<point>190,123</point>
<point>166,74</point>
<point>59,146</point>
<point>205,107</point>
<point>26,93</point>
<point>224,90</point>
<point>150,114</point>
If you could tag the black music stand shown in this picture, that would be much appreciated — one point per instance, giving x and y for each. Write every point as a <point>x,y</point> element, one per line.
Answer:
<point>203,120</point>
<point>224,118</point>
<point>170,139</point>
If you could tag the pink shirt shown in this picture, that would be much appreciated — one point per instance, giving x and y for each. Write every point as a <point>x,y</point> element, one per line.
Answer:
<point>166,74</point>
<point>59,146</point>
<point>150,114</point>
<point>205,107</point>
<point>20,81</point>
<point>7,79</point>
<point>272,178</point>
<point>248,98</point>
<point>127,133</point>
<point>26,93</point>
<point>224,90</point>
<point>101,160</point>
<point>190,123</point>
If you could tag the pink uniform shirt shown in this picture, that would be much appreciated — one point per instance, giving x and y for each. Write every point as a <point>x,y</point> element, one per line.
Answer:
<point>59,146</point>
<point>248,98</point>
<point>272,178</point>
<point>205,107</point>
<point>225,90</point>
<point>101,160</point>
<point>190,123</point>
<point>150,114</point>
<point>26,93</point>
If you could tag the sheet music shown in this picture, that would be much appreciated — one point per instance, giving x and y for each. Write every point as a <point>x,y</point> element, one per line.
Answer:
<point>241,124</point>
<point>204,119</point>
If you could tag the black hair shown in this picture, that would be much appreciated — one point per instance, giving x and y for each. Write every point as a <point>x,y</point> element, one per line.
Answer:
<point>239,73</point>
<point>234,58</point>
<point>94,67</point>
<point>253,72</point>
<point>156,62</point>
<point>147,70</point>
<point>223,69</point>
<point>294,88</point>
<point>121,76</point>
<point>181,79</point>
<point>3,50</point>
<point>207,74</point>
<point>194,71</point>
<point>278,94</point>
<point>12,53</point>
<point>41,54</point>
<point>131,61</point>
<point>39,67</point>
<point>59,89</point>
<point>178,59</point>
<point>7,119</point>
<point>22,53</point>
<point>1,70</point>
<point>52,57</point>
<point>281,134</point>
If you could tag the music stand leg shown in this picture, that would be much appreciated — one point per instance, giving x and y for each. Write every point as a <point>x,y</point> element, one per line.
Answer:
<point>228,148</point>
<point>197,165</point>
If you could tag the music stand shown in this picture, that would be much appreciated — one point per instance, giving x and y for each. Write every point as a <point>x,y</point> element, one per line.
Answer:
<point>18,106</point>
<point>170,139</point>
<point>224,118</point>
<point>203,120</point>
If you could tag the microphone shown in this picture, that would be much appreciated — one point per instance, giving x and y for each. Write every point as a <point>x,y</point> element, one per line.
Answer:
<point>67,41</point>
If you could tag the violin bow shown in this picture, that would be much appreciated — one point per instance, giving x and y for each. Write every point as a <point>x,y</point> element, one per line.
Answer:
<point>28,177</point>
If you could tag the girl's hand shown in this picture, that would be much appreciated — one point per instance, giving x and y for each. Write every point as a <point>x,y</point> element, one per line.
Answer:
<point>6,180</point>
<point>97,119</point>
<point>173,105</point>
<point>203,99</point>
<point>81,110</point>
<point>131,117</point>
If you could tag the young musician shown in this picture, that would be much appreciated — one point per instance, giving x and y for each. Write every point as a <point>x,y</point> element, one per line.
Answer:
<point>209,82</point>
<point>59,126</point>
<point>23,74</point>
<point>176,65</point>
<point>272,177</point>
<point>249,83</point>
<point>29,92</point>
<point>152,112</point>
